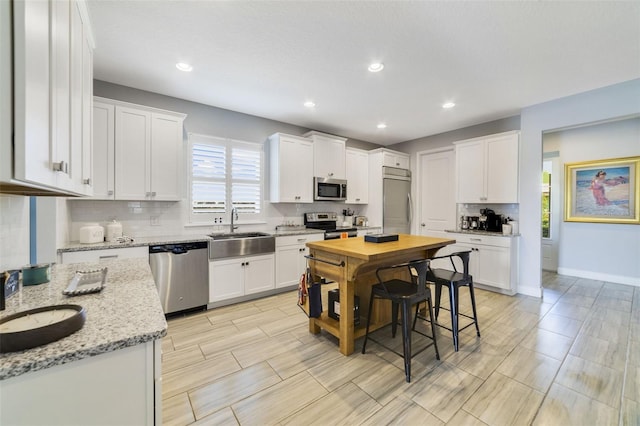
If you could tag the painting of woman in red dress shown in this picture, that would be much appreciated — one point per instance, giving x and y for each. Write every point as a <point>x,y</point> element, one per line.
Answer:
<point>597,188</point>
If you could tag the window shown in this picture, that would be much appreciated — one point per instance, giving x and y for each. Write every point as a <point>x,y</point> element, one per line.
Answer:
<point>225,174</point>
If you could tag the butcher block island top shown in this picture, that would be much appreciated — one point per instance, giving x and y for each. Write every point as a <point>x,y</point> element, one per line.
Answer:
<point>352,263</point>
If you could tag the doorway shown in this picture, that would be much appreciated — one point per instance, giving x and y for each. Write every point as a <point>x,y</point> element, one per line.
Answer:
<point>551,211</point>
<point>436,192</point>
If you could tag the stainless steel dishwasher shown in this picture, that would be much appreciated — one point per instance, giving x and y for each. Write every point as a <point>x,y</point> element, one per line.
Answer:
<point>181,273</point>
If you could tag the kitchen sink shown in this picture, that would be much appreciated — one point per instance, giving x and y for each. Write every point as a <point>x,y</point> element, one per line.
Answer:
<point>234,235</point>
<point>235,244</point>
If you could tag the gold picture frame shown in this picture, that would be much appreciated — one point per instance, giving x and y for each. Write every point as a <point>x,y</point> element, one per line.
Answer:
<point>603,191</point>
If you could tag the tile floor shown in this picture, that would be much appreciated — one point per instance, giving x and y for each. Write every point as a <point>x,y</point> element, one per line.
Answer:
<point>572,358</point>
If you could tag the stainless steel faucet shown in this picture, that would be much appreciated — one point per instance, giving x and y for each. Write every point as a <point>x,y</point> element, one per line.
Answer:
<point>234,213</point>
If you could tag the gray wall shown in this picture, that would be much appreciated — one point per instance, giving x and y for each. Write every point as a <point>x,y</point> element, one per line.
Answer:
<point>442,140</point>
<point>210,120</point>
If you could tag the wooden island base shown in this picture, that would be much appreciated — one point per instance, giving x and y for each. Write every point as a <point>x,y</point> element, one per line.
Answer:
<point>352,263</point>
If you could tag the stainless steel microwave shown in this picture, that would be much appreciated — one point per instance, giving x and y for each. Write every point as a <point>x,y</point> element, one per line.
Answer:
<point>327,189</point>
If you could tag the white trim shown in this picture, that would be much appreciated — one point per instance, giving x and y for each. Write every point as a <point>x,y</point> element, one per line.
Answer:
<point>529,291</point>
<point>618,279</point>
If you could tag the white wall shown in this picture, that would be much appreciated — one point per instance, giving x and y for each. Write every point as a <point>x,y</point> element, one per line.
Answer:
<point>617,101</point>
<point>602,251</point>
<point>14,231</point>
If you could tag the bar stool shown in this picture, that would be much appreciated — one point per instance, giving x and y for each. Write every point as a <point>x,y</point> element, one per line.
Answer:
<point>454,280</point>
<point>403,293</point>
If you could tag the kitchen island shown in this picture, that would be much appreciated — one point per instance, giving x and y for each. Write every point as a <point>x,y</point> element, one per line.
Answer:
<point>108,372</point>
<point>352,263</point>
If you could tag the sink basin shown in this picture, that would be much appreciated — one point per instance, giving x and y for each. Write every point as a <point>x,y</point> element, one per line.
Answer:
<point>235,235</point>
<point>236,244</point>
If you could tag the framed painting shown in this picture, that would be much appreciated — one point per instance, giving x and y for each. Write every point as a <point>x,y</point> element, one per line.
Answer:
<point>603,191</point>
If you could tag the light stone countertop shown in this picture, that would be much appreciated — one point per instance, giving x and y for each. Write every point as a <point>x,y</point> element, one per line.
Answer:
<point>173,239</point>
<point>127,312</point>
<point>479,232</point>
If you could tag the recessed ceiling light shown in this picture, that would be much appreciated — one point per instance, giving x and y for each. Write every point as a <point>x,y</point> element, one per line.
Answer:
<point>448,105</point>
<point>182,66</point>
<point>376,67</point>
<point>309,104</point>
<point>381,126</point>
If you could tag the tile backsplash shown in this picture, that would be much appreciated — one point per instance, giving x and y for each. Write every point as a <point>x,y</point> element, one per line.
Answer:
<point>168,218</point>
<point>14,232</point>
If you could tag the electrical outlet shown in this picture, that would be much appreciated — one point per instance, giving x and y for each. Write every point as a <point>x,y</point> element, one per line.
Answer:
<point>155,220</point>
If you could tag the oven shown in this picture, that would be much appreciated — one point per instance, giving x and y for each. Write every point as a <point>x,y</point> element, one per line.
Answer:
<point>327,221</point>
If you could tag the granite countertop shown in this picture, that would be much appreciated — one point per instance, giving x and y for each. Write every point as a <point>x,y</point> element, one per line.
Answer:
<point>479,232</point>
<point>175,239</point>
<point>127,312</point>
<point>137,242</point>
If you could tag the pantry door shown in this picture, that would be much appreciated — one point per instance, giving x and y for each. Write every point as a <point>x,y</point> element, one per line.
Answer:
<point>436,192</point>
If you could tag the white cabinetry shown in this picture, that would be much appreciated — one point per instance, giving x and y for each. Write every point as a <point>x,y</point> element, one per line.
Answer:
<point>493,260</point>
<point>138,152</point>
<point>291,170</point>
<point>52,76</point>
<point>368,231</point>
<point>290,260</point>
<point>237,277</point>
<point>75,393</point>
<point>328,155</point>
<point>395,159</point>
<point>104,254</point>
<point>357,165</point>
<point>487,169</point>
<point>103,151</point>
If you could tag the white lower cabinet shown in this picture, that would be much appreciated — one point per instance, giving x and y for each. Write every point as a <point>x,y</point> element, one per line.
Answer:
<point>237,277</point>
<point>493,261</point>
<point>368,231</point>
<point>290,257</point>
<point>100,255</point>
<point>114,388</point>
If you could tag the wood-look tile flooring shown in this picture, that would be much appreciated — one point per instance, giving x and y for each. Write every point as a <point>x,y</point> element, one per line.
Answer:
<point>572,358</point>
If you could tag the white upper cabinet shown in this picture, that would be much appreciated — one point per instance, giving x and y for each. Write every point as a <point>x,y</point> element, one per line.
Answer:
<point>133,145</point>
<point>137,152</point>
<point>328,155</point>
<point>395,159</point>
<point>52,56</point>
<point>357,165</point>
<point>103,151</point>
<point>389,158</point>
<point>291,171</point>
<point>487,169</point>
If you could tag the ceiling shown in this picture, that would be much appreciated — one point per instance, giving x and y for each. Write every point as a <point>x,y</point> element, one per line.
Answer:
<point>266,58</point>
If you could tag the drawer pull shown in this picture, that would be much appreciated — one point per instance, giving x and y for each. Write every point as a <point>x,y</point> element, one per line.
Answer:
<point>111,256</point>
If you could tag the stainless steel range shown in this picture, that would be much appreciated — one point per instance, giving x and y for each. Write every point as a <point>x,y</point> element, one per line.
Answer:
<point>328,223</point>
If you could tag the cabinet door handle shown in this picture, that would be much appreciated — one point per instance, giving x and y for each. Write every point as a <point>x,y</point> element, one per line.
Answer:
<point>475,239</point>
<point>61,167</point>
<point>153,194</point>
<point>110,192</point>
<point>302,240</point>
<point>112,256</point>
<point>357,199</point>
<point>87,181</point>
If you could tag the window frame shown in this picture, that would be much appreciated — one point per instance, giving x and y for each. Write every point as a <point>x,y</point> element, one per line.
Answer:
<point>229,144</point>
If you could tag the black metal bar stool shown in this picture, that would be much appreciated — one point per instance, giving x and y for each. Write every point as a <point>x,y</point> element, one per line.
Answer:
<point>403,294</point>
<point>453,280</point>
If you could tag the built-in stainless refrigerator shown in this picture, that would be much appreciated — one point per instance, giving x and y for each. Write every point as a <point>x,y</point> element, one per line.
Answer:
<point>397,207</point>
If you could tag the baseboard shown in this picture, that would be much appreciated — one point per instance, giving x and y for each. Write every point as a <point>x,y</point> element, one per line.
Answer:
<point>618,279</point>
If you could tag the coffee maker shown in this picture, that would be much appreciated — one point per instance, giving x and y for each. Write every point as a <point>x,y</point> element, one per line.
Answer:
<point>492,222</point>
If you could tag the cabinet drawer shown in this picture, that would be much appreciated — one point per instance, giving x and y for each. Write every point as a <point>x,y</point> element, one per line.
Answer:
<point>98,255</point>
<point>481,239</point>
<point>297,239</point>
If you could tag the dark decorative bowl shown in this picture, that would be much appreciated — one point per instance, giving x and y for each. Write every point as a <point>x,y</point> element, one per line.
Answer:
<point>39,326</point>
